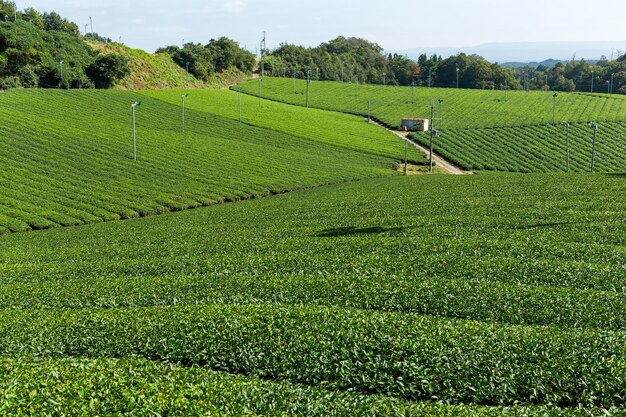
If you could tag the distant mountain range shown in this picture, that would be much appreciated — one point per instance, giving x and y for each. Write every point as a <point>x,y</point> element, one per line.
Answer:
<point>521,53</point>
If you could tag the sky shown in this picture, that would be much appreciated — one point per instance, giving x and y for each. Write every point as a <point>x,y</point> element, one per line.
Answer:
<point>393,24</point>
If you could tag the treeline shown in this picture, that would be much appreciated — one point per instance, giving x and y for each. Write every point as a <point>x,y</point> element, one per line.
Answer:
<point>217,56</point>
<point>46,50</point>
<point>354,59</point>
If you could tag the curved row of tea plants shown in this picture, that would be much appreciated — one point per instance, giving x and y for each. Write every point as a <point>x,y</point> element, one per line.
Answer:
<point>66,158</point>
<point>462,109</point>
<point>533,148</point>
<point>87,387</point>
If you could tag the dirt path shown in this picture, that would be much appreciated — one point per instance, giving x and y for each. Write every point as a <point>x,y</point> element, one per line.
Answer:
<point>439,161</point>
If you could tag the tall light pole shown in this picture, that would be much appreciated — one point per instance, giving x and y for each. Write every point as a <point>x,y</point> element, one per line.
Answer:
<point>566,146</point>
<point>440,113</point>
<point>554,108</point>
<point>263,55</point>
<point>91,23</point>
<point>612,75</point>
<point>432,132</point>
<point>61,64</point>
<point>592,77</point>
<point>457,76</point>
<point>593,152</point>
<point>308,81</point>
<point>608,87</point>
<point>239,104</point>
<point>133,106</point>
<point>184,96</point>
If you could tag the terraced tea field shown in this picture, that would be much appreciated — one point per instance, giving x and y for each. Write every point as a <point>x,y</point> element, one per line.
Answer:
<point>67,156</point>
<point>489,294</point>
<point>484,130</point>
<point>462,109</point>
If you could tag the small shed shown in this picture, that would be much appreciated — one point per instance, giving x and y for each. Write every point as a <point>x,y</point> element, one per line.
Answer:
<point>414,125</point>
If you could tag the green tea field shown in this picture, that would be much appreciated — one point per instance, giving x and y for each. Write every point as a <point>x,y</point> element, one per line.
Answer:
<point>67,156</point>
<point>493,294</point>
<point>483,130</point>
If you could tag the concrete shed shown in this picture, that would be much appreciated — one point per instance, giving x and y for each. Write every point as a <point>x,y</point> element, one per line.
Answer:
<point>414,125</point>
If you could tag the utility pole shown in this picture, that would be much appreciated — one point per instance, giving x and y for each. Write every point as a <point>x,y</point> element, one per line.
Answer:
<point>263,55</point>
<point>593,153</point>
<point>406,154</point>
<point>432,132</point>
<point>566,146</point>
<point>308,81</point>
<point>440,114</point>
<point>239,103</point>
<point>133,106</point>
<point>184,96</point>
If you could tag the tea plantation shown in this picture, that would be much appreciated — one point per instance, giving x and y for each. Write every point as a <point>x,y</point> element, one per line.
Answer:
<point>493,294</point>
<point>483,130</point>
<point>67,156</point>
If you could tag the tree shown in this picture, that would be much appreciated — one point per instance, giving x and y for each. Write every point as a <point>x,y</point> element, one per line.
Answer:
<point>107,69</point>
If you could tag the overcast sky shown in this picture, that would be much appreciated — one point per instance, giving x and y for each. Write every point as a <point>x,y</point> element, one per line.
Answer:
<point>393,24</point>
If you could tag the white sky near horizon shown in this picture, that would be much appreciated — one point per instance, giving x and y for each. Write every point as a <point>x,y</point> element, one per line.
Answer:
<point>393,24</point>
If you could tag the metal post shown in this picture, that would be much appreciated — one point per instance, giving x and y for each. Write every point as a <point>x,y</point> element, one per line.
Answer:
<point>432,132</point>
<point>263,55</point>
<point>294,80</point>
<point>592,76</point>
<point>457,76</point>
<point>608,87</point>
<point>342,72</point>
<point>440,113</point>
<point>413,92</point>
<point>308,81</point>
<point>61,63</point>
<point>406,154</point>
<point>566,146</point>
<point>133,106</point>
<point>183,97</point>
<point>612,75</point>
<point>593,153</point>
<point>554,108</point>
<point>239,103</point>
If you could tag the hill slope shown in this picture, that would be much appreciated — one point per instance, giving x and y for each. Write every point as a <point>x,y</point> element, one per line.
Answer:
<point>67,159</point>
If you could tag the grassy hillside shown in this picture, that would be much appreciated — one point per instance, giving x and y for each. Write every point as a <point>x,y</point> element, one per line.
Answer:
<point>159,71</point>
<point>67,159</point>
<point>407,288</point>
<point>345,131</point>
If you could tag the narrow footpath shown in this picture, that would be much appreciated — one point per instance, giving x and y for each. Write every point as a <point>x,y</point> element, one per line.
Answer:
<point>439,161</point>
